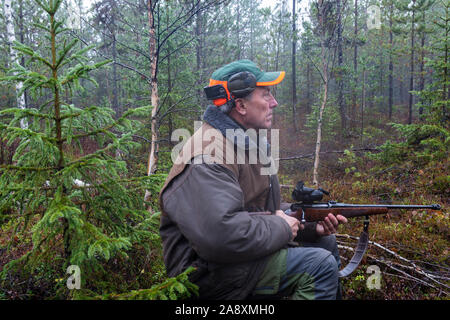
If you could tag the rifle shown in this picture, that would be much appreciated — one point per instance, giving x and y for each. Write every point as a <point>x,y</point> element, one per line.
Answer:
<point>310,209</point>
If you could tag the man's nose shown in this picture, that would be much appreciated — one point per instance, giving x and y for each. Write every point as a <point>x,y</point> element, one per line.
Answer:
<point>273,102</point>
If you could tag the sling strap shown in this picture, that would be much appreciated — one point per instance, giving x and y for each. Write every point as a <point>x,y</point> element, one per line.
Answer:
<point>360,249</point>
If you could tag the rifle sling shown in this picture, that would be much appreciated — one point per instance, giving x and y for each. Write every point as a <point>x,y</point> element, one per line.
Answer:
<point>359,251</point>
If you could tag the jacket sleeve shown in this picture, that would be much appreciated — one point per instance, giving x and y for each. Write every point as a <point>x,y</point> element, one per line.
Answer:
<point>207,207</point>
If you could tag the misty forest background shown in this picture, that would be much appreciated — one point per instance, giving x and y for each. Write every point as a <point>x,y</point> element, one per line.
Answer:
<point>91,93</point>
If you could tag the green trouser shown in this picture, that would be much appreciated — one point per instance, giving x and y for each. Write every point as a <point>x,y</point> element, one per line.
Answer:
<point>300,273</point>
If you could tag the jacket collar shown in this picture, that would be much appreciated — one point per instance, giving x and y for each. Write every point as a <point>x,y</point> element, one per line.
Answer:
<point>222,122</point>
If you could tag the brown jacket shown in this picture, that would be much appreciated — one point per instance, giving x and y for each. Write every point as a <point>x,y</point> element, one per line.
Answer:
<point>211,213</point>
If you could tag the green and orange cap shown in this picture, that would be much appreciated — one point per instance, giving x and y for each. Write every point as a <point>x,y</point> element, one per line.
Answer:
<point>263,79</point>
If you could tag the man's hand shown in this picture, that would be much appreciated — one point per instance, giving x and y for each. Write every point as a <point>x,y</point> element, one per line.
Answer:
<point>330,224</point>
<point>293,223</point>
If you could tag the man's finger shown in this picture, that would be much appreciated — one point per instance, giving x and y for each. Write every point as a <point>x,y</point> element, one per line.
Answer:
<point>326,229</point>
<point>333,219</point>
<point>331,223</point>
<point>341,218</point>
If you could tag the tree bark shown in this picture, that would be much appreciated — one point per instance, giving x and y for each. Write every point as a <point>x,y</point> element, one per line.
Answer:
<point>422,62</point>
<point>115,106</point>
<point>238,29</point>
<point>199,54</point>
<point>153,156</point>
<point>22,40</point>
<point>355,58</point>
<point>363,105</point>
<point>308,87</point>
<point>391,64</point>
<point>340,80</point>
<point>324,98</point>
<point>411,74</point>
<point>445,91</point>
<point>10,38</point>
<point>294,82</point>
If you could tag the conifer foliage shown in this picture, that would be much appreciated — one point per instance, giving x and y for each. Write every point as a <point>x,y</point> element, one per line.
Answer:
<point>428,140</point>
<point>83,208</point>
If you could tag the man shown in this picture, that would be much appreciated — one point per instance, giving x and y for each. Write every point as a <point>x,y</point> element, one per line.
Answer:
<point>217,203</point>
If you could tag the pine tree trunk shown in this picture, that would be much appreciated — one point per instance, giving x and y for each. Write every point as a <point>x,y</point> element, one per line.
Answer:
<point>391,65</point>
<point>115,105</point>
<point>363,105</point>
<point>422,62</point>
<point>340,80</point>
<point>355,58</point>
<point>10,38</point>
<point>445,91</point>
<point>252,38</point>
<point>277,50</point>
<point>308,88</point>
<point>238,33</point>
<point>198,53</point>
<point>411,74</point>
<point>294,82</point>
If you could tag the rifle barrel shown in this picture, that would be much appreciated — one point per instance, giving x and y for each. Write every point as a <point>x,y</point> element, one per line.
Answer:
<point>333,204</point>
<point>389,206</point>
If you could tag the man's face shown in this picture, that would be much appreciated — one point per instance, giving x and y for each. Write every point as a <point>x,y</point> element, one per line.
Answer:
<point>259,109</point>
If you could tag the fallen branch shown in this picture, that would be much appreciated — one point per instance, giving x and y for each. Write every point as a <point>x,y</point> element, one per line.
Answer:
<point>390,264</point>
<point>412,266</point>
<point>310,155</point>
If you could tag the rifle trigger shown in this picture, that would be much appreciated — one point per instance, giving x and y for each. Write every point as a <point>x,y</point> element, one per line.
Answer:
<point>303,221</point>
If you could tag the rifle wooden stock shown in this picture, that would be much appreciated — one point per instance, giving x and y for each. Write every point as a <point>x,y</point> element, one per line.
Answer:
<point>320,214</point>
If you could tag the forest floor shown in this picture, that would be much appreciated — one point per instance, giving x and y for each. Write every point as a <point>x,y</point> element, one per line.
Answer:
<point>408,257</point>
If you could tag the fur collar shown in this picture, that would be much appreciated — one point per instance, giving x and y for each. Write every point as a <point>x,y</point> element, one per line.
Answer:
<point>223,122</point>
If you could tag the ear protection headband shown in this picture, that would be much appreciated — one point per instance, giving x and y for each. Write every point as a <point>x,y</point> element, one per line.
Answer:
<point>238,85</point>
<point>241,84</point>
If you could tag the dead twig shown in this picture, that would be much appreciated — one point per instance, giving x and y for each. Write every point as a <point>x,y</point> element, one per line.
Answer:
<point>390,265</point>
<point>410,264</point>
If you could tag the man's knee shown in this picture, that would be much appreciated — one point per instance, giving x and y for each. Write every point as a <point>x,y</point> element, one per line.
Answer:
<point>310,260</point>
<point>316,273</point>
<point>326,281</point>
<point>329,265</point>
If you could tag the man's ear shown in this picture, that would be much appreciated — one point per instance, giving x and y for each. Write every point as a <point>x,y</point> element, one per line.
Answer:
<point>240,106</point>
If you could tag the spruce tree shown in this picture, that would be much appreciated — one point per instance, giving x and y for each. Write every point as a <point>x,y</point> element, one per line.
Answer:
<point>428,141</point>
<point>82,208</point>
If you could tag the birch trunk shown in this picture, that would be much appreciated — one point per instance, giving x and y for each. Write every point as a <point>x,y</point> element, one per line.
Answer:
<point>10,38</point>
<point>319,133</point>
<point>324,99</point>
<point>153,156</point>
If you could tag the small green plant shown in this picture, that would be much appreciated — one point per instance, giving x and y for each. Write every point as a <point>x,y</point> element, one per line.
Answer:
<point>175,288</point>
<point>350,161</point>
<point>330,121</point>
